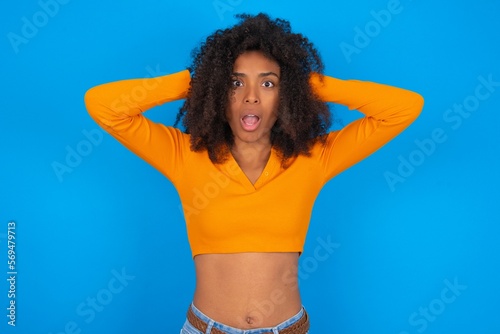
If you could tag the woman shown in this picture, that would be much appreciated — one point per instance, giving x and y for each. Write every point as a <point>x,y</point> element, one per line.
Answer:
<point>255,154</point>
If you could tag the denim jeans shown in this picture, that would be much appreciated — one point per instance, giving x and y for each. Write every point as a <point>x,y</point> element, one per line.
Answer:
<point>189,329</point>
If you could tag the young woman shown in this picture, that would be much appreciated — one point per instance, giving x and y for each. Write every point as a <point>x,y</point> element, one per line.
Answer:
<point>254,155</point>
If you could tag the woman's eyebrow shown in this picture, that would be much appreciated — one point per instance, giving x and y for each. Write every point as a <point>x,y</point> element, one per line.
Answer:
<point>264,74</point>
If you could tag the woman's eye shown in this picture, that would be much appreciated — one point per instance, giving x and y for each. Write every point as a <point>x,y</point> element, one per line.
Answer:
<point>237,83</point>
<point>268,84</point>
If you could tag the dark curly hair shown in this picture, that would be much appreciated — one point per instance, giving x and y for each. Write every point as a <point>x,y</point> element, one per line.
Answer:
<point>302,117</point>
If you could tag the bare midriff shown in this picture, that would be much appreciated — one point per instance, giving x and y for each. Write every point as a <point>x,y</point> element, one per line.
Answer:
<point>247,290</point>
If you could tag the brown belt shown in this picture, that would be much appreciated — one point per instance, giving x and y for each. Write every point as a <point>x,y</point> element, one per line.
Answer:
<point>299,327</point>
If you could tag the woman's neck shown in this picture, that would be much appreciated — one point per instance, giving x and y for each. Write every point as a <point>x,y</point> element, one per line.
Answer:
<point>251,153</point>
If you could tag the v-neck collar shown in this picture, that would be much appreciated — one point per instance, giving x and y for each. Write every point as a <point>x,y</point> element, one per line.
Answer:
<point>263,178</point>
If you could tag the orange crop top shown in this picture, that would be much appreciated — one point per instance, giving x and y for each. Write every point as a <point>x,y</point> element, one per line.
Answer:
<point>224,211</point>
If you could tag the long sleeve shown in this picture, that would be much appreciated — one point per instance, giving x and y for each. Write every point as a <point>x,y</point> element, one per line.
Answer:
<point>118,106</point>
<point>388,111</point>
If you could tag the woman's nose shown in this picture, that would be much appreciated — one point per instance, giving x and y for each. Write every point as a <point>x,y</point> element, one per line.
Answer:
<point>251,96</point>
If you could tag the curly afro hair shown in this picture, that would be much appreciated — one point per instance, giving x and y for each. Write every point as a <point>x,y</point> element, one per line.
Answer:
<point>302,117</point>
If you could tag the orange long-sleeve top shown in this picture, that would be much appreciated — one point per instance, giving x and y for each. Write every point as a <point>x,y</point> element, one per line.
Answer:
<point>224,211</point>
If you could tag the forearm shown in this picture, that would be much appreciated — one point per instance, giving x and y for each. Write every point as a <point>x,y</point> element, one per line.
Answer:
<point>114,102</point>
<point>382,102</point>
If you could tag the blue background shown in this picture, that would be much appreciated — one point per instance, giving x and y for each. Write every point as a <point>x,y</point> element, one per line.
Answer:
<point>399,242</point>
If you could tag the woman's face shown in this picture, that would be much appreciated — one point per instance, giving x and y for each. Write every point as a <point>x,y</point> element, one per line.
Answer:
<point>253,103</point>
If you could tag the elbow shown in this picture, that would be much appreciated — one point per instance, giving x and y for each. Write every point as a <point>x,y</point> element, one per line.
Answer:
<point>416,104</point>
<point>419,100</point>
<point>91,100</point>
<point>96,107</point>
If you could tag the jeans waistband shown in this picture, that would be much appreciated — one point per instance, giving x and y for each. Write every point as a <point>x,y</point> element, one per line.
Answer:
<point>231,330</point>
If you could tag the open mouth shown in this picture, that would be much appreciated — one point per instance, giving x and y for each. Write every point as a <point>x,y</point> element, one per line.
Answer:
<point>250,122</point>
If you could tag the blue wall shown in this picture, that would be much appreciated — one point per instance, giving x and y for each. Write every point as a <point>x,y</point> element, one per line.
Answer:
<point>412,231</point>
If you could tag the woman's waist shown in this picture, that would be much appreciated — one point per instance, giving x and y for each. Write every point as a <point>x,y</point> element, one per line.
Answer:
<point>247,290</point>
